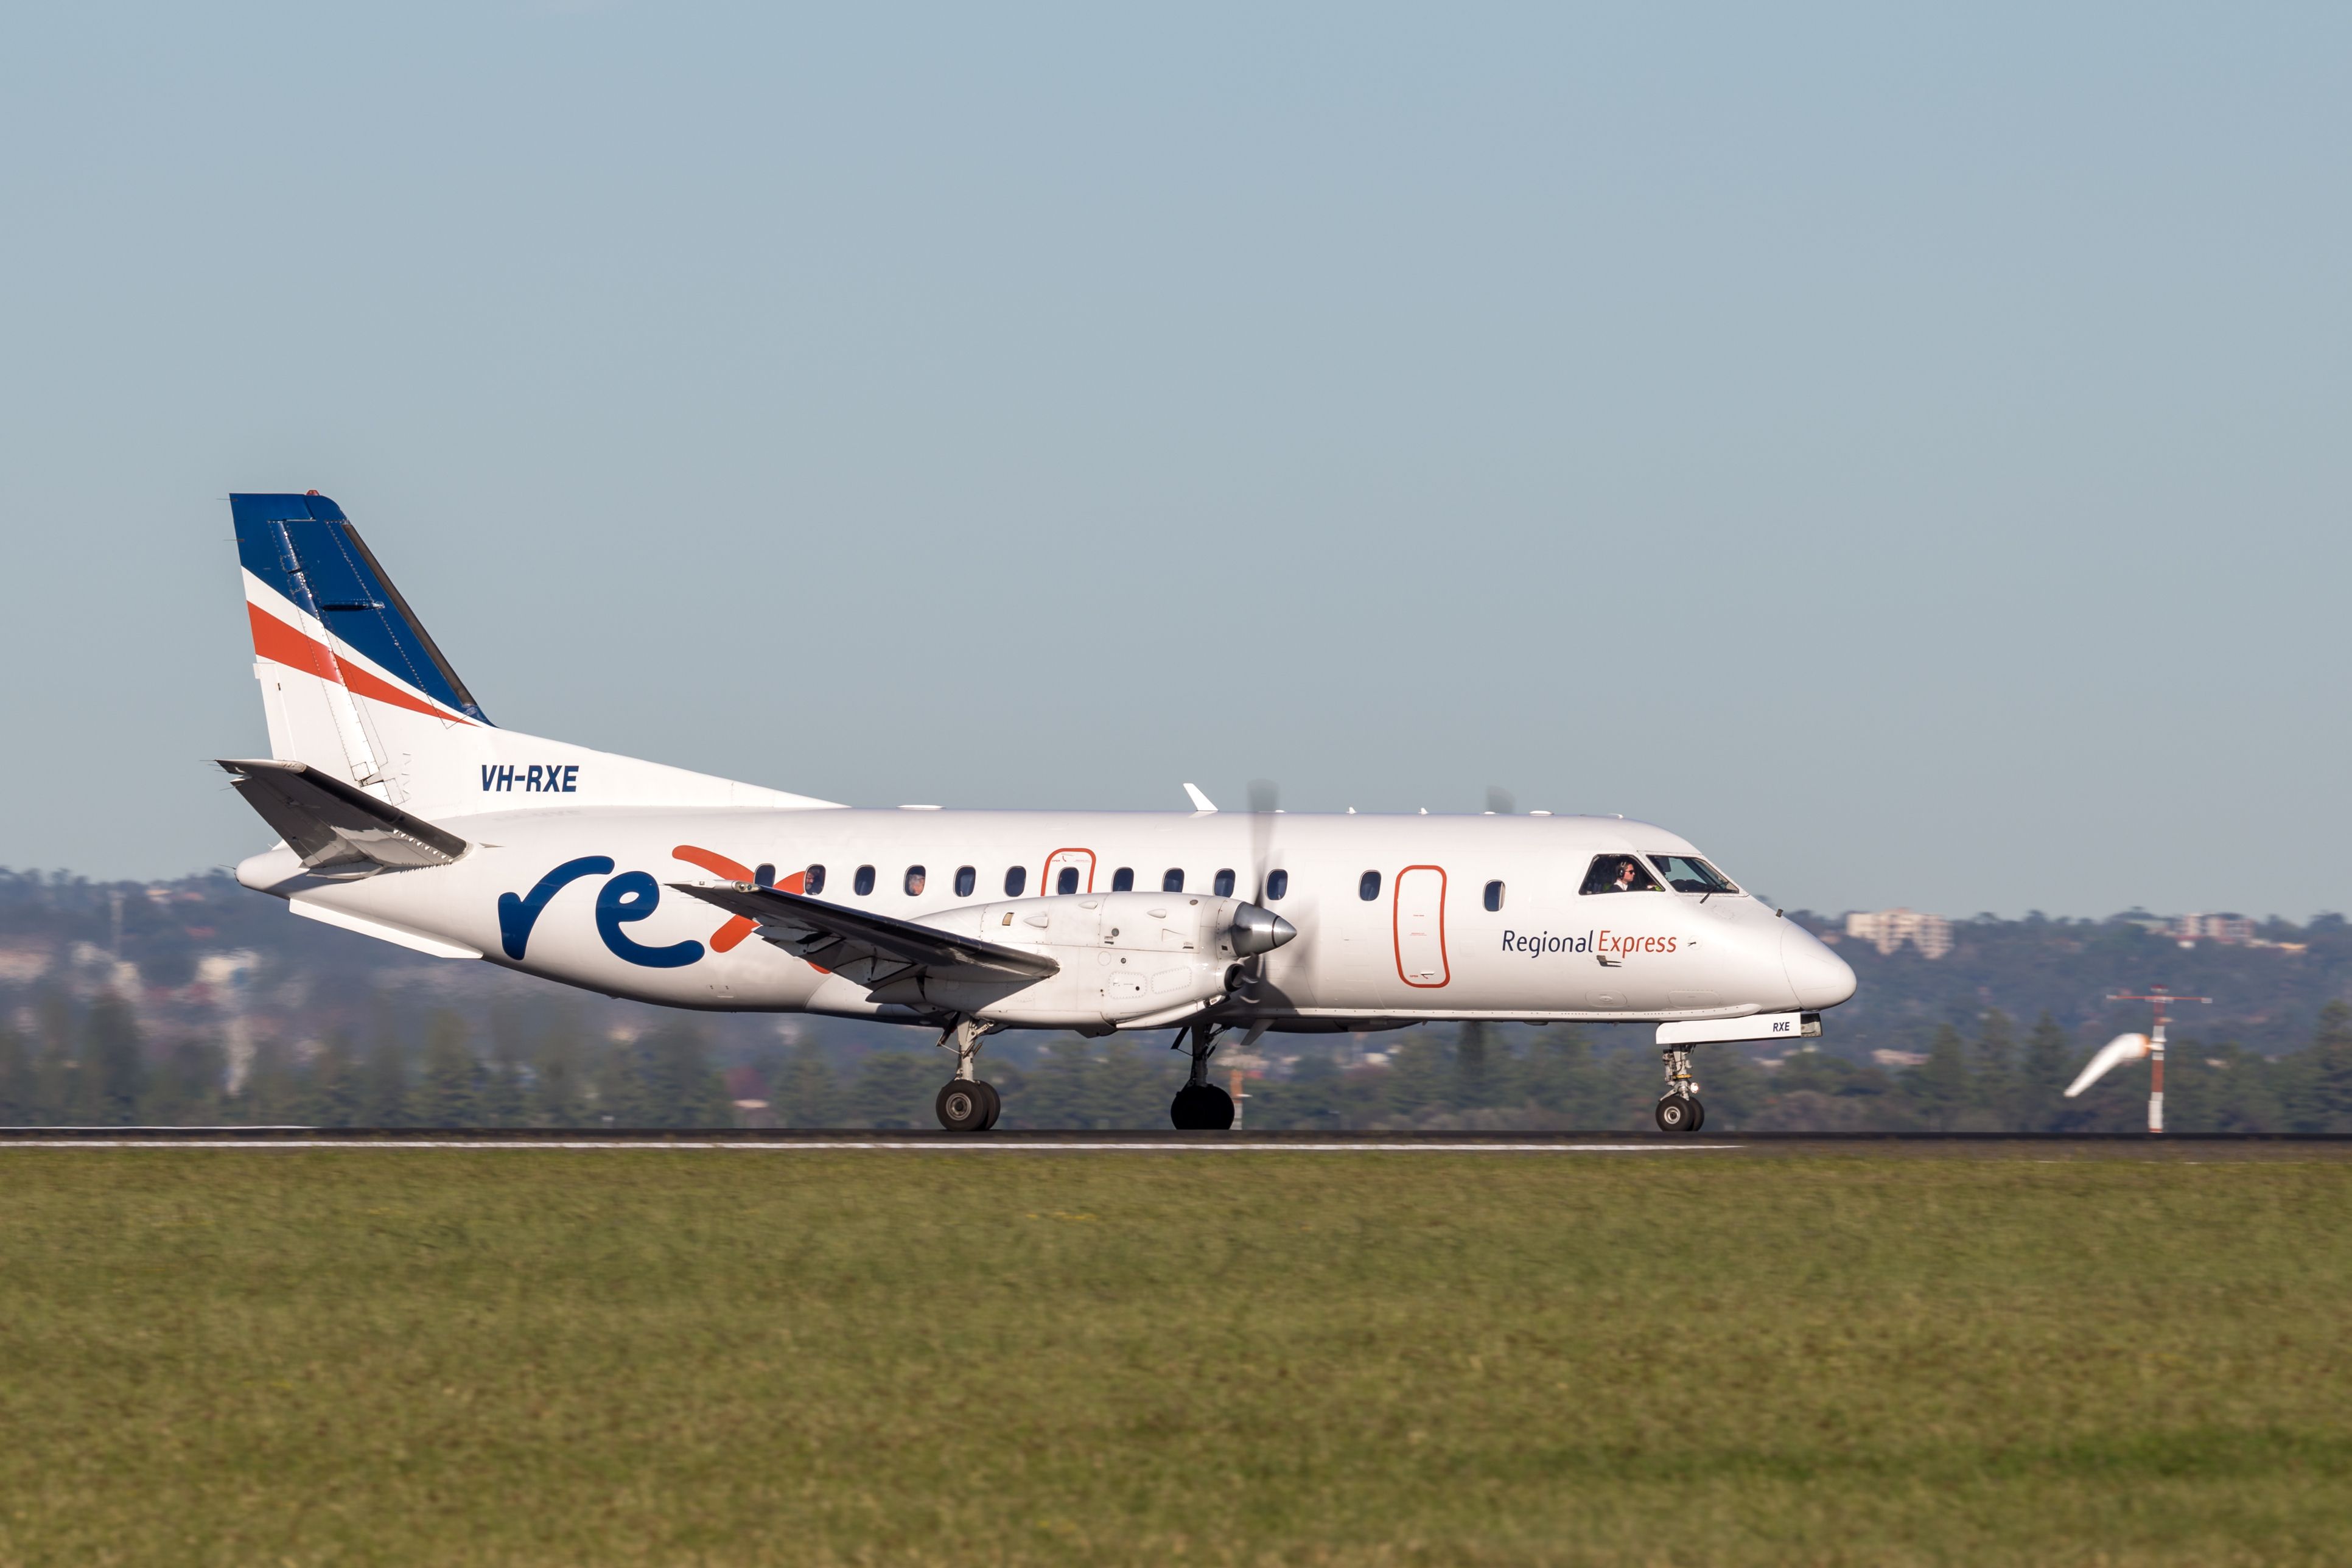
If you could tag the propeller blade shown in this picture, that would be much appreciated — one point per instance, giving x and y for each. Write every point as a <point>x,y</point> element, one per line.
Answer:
<point>1264,800</point>
<point>1501,802</point>
<point>1264,803</point>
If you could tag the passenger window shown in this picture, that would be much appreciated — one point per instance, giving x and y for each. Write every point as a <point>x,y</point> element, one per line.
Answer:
<point>1014,880</point>
<point>864,882</point>
<point>1619,874</point>
<point>1123,879</point>
<point>1224,883</point>
<point>763,875</point>
<point>913,880</point>
<point>1067,883</point>
<point>1493,897</point>
<point>1277,884</point>
<point>1368,886</point>
<point>1172,883</point>
<point>812,880</point>
<point>966,880</point>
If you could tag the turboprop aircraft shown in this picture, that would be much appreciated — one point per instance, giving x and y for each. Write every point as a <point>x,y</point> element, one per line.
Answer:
<point>405,814</point>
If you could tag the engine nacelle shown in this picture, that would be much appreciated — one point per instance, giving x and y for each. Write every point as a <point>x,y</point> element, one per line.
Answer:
<point>1127,960</point>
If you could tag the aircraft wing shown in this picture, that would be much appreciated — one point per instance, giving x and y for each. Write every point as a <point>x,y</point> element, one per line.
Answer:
<point>872,949</point>
<point>330,823</point>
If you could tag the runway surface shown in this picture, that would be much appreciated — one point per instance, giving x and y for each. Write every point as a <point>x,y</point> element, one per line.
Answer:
<point>2179,1146</point>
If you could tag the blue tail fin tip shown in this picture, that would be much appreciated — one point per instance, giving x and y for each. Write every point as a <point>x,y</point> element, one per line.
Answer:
<point>305,548</point>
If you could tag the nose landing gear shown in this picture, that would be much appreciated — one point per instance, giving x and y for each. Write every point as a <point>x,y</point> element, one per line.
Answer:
<point>967,1104</point>
<point>1679,1109</point>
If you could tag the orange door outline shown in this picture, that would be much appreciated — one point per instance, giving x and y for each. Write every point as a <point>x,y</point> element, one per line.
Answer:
<point>1046,882</point>
<point>1396,931</point>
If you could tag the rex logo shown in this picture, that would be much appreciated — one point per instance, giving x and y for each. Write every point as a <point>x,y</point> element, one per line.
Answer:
<point>632,896</point>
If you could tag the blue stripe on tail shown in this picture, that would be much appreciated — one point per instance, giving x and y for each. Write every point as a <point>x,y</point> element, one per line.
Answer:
<point>305,548</point>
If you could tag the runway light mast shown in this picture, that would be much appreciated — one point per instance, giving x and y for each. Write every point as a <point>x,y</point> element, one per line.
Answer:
<point>2130,1047</point>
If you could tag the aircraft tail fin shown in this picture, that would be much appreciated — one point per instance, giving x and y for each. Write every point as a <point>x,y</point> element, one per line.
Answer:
<point>329,627</point>
<point>357,691</point>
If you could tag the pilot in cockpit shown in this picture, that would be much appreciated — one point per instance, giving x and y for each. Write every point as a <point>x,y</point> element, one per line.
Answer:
<point>1619,874</point>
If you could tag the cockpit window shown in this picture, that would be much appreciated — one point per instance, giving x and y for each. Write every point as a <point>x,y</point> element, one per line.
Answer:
<point>1620,874</point>
<point>1689,874</point>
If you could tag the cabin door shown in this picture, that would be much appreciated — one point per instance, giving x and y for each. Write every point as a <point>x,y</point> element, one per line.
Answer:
<point>1069,871</point>
<point>1420,922</point>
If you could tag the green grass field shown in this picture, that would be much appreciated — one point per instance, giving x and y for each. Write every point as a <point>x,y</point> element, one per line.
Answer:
<point>533,1357</point>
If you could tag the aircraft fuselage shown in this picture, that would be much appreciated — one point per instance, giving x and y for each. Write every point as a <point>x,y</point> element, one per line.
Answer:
<point>1391,910</point>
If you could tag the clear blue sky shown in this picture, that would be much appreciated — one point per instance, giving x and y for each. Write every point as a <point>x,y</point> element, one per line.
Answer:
<point>1906,449</point>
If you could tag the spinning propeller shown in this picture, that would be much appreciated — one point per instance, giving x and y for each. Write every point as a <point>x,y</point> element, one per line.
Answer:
<point>1257,930</point>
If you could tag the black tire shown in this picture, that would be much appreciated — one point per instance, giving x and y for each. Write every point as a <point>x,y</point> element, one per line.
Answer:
<point>1698,1114</point>
<point>1676,1115</point>
<point>962,1106</point>
<point>1201,1108</point>
<point>995,1105</point>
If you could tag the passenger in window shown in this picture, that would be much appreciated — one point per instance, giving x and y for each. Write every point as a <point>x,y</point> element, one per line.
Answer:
<point>914,881</point>
<point>812,880</point>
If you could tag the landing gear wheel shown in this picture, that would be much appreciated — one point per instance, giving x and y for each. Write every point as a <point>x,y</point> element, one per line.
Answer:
<point>1698,1114</point>
<point>995,1104</point>
<point>1678,1113</point>
<point>1201,1108</point>
<point>963,1105</point>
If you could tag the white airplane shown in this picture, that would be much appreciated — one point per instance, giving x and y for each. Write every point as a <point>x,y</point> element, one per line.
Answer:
<point>405,814</point>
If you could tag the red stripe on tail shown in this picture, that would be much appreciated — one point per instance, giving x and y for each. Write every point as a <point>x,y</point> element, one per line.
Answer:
<point>274,639</point>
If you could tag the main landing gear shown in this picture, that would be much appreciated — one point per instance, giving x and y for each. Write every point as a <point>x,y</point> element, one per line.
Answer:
<point>966,1104</point>
<point>1678,1109</point>
<point>1200,1106</point>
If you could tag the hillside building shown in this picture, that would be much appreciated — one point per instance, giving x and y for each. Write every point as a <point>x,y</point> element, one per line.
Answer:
<point>1887,930</point>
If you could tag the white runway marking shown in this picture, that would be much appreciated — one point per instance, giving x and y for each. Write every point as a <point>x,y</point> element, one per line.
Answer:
<point>977,1146</point>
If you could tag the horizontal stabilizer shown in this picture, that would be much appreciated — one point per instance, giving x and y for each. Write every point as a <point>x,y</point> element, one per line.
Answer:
<point>330,823</point>
<point>872,949</point>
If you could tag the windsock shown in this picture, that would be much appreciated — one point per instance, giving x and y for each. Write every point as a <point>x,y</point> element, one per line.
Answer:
<point>2122,1048</point>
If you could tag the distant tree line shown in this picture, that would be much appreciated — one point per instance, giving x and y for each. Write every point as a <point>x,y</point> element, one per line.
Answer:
<point>88,1066</point>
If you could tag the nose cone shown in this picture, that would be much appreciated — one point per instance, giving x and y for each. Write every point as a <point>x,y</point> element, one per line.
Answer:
<point>1258,929</point>
<point>1819,977</point>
